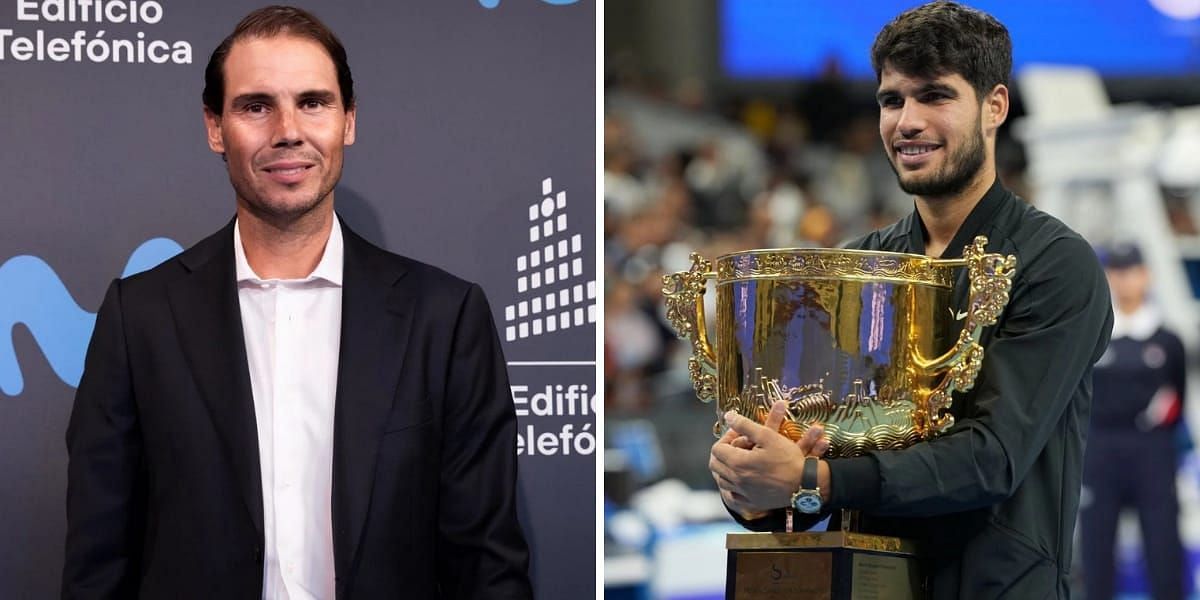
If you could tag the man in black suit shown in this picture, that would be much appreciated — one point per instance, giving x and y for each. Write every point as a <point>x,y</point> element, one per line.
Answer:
<point>285,411</point>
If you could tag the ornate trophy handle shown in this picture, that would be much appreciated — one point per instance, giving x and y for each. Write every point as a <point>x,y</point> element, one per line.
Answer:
<point>990,279</point>
<point>684,296</point>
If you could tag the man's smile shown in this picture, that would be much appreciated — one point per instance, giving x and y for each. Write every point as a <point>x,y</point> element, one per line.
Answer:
<point>914,153</point>
<point>288,171</point>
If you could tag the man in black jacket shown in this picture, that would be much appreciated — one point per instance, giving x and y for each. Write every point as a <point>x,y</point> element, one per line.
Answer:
<point>285,411</point>
<point>993,501</point>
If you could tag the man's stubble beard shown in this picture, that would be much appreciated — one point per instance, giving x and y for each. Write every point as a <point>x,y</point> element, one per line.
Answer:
<point>954,176</point>
<point>282,214</point>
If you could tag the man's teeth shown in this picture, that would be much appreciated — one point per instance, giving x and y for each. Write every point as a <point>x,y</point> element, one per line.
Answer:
<point>915,150</point>
<point>292,171</point>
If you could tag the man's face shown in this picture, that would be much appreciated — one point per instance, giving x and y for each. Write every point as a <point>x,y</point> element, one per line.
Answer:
<point>284,125</point>
<point>932,130</point>
<point>1129,285</point>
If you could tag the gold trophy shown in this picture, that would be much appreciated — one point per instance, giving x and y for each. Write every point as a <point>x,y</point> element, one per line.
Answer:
<point>865,343</point>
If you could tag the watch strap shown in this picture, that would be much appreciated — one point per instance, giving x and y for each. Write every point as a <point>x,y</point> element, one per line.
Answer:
<point>808,477</point>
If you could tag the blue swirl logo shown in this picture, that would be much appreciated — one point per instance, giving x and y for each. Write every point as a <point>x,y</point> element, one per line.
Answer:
<point>34,295</point>
<point>495,3</point>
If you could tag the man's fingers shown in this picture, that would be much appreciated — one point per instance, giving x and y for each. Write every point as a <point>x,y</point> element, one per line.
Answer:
<point>742,442</point>
<point>728,437</point>
<point>813,436</point>
<point>821,447</point>
<point>815,432</point>
<point>725,484</point>
<point>759,434</point>
<point>775,417</point>
<point>717,461</point>
<point>736,502</point>
<point>723,455</point>
<point>742,506</point>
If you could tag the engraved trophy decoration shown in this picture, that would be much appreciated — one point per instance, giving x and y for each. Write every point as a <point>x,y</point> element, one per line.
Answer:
<point>862,342</point>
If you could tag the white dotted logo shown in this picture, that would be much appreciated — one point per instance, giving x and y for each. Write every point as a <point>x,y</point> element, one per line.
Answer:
<point>553,294</point>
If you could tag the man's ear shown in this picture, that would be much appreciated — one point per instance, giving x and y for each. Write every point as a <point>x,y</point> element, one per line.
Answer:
<point>212,124</point>
<point>995,107</point>
<point>349,134</point>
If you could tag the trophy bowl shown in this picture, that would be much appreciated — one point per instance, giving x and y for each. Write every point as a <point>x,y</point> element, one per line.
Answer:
<point>865,343</point>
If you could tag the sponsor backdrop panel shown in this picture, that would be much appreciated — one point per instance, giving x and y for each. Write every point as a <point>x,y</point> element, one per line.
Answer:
<point>475,152</point>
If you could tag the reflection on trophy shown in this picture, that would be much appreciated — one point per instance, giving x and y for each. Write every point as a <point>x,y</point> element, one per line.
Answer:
<point>869,345</point>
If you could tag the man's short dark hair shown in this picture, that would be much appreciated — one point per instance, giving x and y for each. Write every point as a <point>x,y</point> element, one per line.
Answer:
<point>941,38</point>
<point>268,22</point>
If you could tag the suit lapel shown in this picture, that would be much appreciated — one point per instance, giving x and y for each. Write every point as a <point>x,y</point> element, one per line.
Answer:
<point>209,323</point>
<point>376,318</point>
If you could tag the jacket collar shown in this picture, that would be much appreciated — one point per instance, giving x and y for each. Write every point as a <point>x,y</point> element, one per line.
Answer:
<point>976,223</point>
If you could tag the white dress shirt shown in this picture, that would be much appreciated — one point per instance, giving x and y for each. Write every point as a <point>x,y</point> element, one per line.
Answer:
<point>292,329</point>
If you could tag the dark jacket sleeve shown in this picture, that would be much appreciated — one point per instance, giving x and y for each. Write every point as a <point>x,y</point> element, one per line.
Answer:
<point>481,551</point>
<point>1177,359</point>
<point>1057,322</point>
<point>104,487</point>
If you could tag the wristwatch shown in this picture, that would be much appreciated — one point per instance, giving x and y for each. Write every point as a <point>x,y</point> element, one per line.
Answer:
<point>808,498</point>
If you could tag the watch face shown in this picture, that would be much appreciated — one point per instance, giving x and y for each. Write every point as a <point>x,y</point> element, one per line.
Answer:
<point>808,503</point>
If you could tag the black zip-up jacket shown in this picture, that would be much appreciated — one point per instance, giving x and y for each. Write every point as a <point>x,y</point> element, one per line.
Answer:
<point>993,501</point>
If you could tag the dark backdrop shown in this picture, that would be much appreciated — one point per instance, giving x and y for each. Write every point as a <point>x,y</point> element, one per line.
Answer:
<point>471,113</point>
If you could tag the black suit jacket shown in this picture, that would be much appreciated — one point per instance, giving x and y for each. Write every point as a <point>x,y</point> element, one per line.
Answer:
<point>164,487</point>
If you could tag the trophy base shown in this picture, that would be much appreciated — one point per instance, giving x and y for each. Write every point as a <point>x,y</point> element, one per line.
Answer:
<point>831,565</point>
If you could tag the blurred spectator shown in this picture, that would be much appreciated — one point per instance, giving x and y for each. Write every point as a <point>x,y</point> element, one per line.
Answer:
<point>1131,458</point>
<point>827,103</point>
<point>624,193</point>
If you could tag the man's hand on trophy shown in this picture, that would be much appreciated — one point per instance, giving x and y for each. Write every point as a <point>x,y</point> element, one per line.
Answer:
<point>813,442</point>
<point>763,471</point>
<point>733,499</point>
